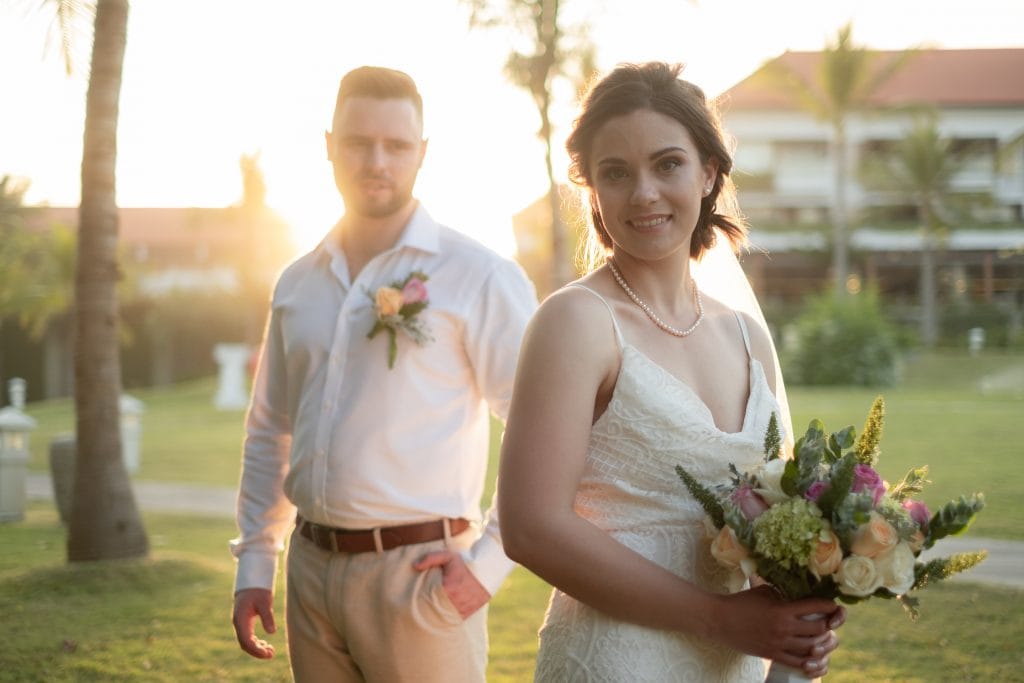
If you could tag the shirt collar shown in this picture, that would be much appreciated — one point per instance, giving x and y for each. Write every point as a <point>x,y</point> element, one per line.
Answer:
<point>422,232</point>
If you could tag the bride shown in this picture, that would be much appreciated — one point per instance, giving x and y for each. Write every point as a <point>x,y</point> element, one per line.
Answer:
<point>626,373</point>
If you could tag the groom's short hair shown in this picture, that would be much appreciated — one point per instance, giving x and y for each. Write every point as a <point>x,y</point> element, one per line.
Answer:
<point>378,82</point>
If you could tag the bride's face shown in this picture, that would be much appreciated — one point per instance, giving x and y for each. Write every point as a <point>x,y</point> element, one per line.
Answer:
<point>648,178</point>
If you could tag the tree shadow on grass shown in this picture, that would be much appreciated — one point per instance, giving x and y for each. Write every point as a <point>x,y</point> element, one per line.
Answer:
<point>132,620</point>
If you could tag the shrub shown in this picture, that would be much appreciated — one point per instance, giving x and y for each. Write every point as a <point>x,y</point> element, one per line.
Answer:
<point>843,340</point>
<point>957,320</point>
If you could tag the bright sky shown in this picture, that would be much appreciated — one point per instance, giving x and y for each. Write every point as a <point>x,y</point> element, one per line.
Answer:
<point>208,80</point>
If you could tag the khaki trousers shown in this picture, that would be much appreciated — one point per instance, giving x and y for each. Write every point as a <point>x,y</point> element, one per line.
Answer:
<point>356,617</point>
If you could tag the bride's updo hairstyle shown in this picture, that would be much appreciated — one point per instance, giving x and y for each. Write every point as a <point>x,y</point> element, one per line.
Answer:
<point>656,86</point>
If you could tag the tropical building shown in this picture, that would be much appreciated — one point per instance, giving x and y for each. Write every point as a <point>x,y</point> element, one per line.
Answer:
<point>785,170</point>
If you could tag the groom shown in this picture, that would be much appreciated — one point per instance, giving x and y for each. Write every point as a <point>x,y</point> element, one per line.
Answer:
<point>375,447</point>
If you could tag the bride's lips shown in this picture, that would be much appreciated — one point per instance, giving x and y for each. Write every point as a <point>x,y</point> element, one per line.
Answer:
<point>649,222</point>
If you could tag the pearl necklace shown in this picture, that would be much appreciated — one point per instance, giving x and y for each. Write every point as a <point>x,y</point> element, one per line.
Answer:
<point>650,312</point>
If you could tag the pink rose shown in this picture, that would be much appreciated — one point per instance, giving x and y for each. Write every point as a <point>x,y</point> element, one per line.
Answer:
<point>816,490</point>
<point>414,291</point>
<point>749,502</point>
<point>918,512</point>
<point>866,480</point>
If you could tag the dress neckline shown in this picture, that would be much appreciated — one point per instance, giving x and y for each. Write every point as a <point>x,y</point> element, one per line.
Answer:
<point>756,380</point>
<point>755,370</point>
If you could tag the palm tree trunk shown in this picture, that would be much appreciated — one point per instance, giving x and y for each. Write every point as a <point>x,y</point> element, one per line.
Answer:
<point>560,272</point>
<point>105,521</point>
<point>840,216</point>
<point>929,307</point>
<point>929,296</point>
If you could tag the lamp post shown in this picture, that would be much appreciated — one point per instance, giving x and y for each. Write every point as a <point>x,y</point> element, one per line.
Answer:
<point>15,426</point>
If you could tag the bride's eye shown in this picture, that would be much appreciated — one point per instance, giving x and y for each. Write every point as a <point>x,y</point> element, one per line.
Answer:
<point>668,164</point>
<point>612,173</point>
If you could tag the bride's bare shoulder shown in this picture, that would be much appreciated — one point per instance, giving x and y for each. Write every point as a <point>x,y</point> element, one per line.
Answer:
<point>576,315</point>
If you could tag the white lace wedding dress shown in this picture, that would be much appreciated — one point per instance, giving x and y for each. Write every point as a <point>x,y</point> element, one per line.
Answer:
<point>630,489</point>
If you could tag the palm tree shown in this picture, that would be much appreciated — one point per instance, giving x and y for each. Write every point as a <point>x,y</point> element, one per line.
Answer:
<point>557,52</point>
<point>847,77</point>
<point>36,267</point>
<point>920,167</point>
<point>105,521</point>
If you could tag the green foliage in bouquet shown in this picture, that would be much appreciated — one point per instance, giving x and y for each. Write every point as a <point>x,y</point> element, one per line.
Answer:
<point>824,523</point>
<point>707,499</point>
<point>953,518</point>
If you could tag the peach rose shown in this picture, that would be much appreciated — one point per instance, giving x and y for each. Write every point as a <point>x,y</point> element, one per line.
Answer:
<point>875,537</point>
<point>827,556</point>
<point>726,548</point>
<point>917,542</point>
<point>389,301</point>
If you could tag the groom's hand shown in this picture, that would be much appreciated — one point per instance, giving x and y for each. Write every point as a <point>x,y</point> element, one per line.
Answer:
<point>462,588</point>
<point>250,604</point>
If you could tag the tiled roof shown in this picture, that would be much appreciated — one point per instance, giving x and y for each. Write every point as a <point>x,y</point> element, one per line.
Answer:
<point>158,227</point>
<point>949,78</point>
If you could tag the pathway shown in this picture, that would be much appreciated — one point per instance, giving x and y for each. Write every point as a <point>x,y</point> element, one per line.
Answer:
<point>1004,565</point>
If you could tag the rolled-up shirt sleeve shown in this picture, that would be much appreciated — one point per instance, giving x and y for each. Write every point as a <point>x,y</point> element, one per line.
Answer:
<point>494,332</point>
<point>264,513</point>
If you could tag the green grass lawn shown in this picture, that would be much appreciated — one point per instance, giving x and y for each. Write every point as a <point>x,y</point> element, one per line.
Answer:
<point>937,417</point>
<point>167,618</point>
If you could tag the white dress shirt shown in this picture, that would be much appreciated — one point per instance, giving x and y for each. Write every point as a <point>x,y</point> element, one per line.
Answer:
<point>333,432</point>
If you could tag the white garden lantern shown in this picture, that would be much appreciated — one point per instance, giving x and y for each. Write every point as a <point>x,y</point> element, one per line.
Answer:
<point>131,432</point>
<point>15,427</point>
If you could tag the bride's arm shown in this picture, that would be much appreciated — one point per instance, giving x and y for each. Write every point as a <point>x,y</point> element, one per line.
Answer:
<point>568,353</point>
<point>569,358</point>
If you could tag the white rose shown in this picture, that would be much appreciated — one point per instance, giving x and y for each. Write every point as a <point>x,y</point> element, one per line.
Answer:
<point>896,568</point>
<point>770,476</point>
<point>857,576</point>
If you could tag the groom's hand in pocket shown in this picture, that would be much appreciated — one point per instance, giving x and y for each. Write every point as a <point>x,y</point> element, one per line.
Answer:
<point>465,592</point>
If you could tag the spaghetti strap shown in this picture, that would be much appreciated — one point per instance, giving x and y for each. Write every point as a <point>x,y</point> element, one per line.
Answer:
<point>615,324</point>
<point>743,329</point>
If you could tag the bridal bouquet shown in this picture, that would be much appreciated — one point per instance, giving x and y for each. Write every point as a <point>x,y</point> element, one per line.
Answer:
<point>825,524</point>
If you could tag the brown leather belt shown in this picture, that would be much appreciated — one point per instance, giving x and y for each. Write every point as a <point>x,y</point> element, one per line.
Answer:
<point>382,538</point>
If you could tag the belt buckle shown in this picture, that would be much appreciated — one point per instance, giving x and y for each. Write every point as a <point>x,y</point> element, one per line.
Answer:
<point>320,533</point>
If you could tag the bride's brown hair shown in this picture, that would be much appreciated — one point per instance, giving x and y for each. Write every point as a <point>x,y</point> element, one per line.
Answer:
<point>656,86</point>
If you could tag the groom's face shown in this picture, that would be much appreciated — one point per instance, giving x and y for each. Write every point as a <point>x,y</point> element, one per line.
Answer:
<point>376,148</point>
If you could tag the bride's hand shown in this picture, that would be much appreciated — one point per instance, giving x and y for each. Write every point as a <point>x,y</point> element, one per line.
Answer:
<point>759,622</point>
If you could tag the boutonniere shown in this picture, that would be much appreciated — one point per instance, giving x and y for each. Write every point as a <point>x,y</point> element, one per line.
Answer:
<point>397,308</point>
